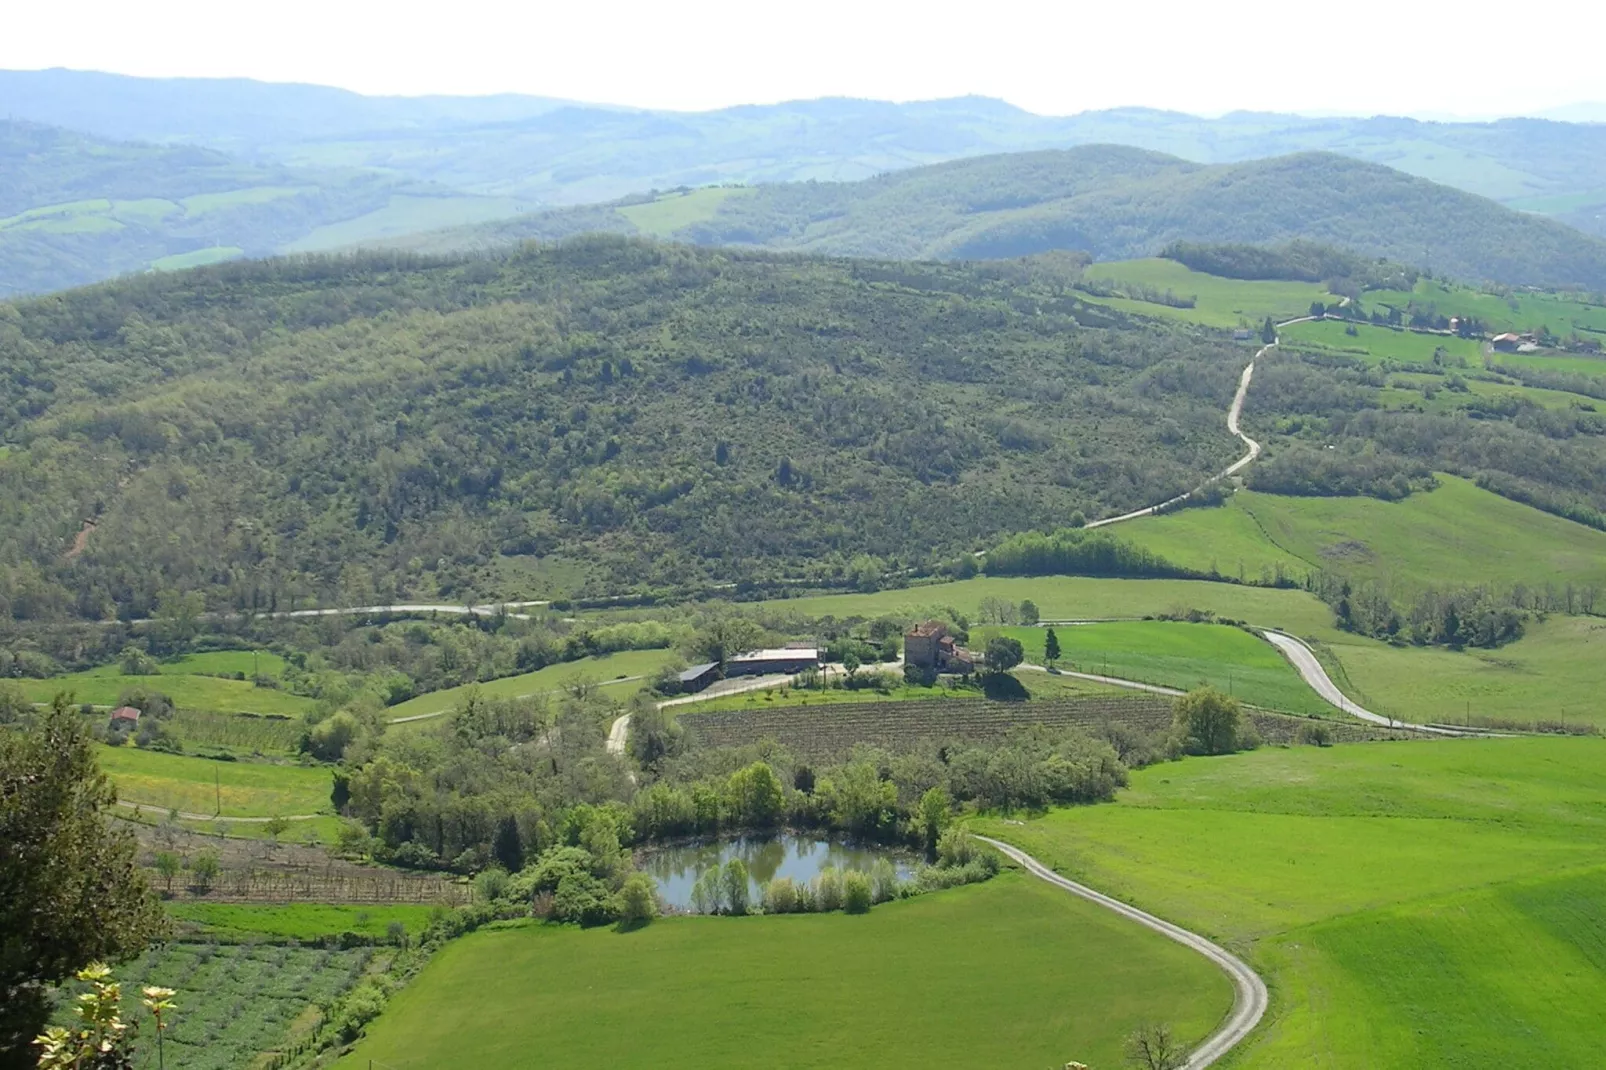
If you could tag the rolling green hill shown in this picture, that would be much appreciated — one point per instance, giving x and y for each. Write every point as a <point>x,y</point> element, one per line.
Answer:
<point>563,153</point>
<point>76,209</point>
<point>1112,202</point>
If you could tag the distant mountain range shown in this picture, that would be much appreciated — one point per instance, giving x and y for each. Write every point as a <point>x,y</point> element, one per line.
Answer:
<point>369,168</point>
<point>1111,201</point>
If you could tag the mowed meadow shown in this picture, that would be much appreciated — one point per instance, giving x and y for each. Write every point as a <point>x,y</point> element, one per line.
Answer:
<point>1443,537</point>
<point>1011,973</point>
<point>1409,904</point>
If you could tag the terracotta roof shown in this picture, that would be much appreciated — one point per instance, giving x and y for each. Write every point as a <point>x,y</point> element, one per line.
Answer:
<point>125,713</point>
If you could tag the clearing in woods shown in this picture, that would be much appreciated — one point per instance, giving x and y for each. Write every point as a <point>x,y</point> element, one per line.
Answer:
<point>1424,904</point>
<point>939,980</point>
<point>1220,302</point>
<point>672,211</point>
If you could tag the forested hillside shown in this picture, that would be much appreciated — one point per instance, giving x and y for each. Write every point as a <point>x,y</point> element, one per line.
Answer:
<point>600,417</point>
<point>1112,202</point>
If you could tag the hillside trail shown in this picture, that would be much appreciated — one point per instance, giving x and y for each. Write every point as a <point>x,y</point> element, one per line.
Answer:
<point>1250,998</point>
<point>1234,415</point>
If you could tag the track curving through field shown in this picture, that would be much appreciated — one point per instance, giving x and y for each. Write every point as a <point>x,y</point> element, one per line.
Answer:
<point>1250,998</point>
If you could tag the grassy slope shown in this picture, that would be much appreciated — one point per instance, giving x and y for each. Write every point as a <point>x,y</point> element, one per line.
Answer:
<point>1531,312</point>
<point>1557,671</point>
<point>1455,534</point>
<point>182,681</point>
<point>626,663</point>
<point>300,921</point>
<point>662,217</point>
<point>1221,302</point>
<point>1423,905</point>
<point>1377,344</point>
<point>1080,597</point>
<point>1010,973</point>
<point>247,789</point>
<point>1175,654</point>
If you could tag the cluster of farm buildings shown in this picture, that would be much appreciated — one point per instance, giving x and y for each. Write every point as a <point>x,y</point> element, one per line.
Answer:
<point>927,645</point>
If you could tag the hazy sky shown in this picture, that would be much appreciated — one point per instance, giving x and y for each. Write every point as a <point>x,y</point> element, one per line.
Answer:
<point>1366,56</point>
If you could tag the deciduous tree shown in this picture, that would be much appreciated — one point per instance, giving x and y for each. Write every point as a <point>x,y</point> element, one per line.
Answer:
<point>70,892</point>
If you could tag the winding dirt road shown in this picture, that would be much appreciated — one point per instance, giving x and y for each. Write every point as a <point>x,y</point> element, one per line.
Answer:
<point>1234,414</point>
<point>1249,991</point>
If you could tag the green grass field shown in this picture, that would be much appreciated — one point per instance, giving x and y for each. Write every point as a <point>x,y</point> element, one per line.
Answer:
<point>1221,302</point>
<point>197,785</point>
<point>1555,672</point>
<point>672,211</point>
<point>1011,973</point>
<point>1433,904</point>
<point>214,254</point>
<point>1080,597</point>
<point>1520,312</point>
<point>300,921</point>
<point>406,214</point>
<point>1406,390</point>
<point>553,678</point>
<point>1174,654</point>
<point>185,681</point>
<point>1447,536</point>
<point>1377,344</point>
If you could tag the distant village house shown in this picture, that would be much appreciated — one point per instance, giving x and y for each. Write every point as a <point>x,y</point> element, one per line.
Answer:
<point>124,717</point>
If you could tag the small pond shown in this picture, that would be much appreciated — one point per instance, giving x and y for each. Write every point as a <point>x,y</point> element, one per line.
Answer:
<point>800,857</point>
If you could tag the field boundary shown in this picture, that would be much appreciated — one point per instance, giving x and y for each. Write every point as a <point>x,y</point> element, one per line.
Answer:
<point>1250,999</point>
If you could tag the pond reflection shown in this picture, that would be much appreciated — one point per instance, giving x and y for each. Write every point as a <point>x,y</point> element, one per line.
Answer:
<point>801,858</point>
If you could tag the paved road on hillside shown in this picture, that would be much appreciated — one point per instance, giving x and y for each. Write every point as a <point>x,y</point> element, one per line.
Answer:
<point>1304,660</point>
<point>1234,413</point>
<point>1249,991</point>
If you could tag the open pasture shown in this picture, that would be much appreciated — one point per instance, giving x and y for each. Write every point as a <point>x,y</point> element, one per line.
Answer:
<point>1375,344</point>
<point>1455,534</point>
<point>1079,598</point>
<point>201,785</point>
<point>1173,654</point>
<point>1555,673</point>
<point>1220,302</point>
<point>193,682</point>
<point>615,673</point>
<point>1423,904</point>
<point>670,212</point>
<point>307,922</point>
<point>1562,313</point>
<point>1010,973</point>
